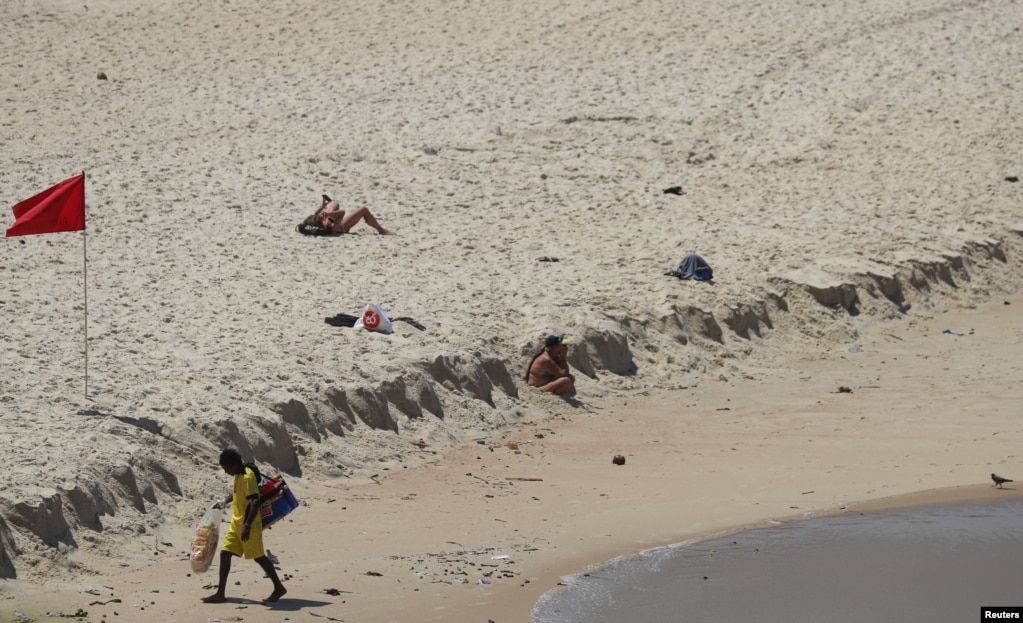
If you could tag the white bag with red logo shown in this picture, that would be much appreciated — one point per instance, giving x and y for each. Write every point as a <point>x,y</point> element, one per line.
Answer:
<point>374,319</point>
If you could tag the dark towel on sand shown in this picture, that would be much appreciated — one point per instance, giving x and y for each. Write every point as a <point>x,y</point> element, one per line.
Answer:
<point>342,320</point>
<point>693,266</point>
<point>312,230</point>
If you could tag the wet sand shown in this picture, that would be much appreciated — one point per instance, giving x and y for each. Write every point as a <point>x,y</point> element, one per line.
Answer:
<point>927,564</point>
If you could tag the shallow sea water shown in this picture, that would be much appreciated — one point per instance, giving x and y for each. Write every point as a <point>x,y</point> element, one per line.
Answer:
<point>928,564</point>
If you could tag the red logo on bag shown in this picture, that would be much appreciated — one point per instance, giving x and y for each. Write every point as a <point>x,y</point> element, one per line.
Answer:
<point>371,319</point>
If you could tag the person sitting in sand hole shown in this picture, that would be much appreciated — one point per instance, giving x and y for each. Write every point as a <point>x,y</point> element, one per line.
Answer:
<point>548,370</point>
<point>331,217</point>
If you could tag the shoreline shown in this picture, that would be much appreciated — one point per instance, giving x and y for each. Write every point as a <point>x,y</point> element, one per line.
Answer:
<point>26,598</point>
<point>919,563</point>
<point>507,605</point>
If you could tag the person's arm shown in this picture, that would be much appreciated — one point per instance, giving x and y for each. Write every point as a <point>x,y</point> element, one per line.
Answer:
<point>251,487</point>
<point>332,219</point>
<point>554,368</point>
<point>224,502</point>
<point>251,510</point>
<point>562,362</point>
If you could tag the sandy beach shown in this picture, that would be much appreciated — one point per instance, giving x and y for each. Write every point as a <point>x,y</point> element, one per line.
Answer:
<point>850,171</point>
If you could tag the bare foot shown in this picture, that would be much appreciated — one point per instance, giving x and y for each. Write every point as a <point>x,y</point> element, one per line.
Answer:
<point>277,594</point>
<point>215,598</point>
<point>386,232</point>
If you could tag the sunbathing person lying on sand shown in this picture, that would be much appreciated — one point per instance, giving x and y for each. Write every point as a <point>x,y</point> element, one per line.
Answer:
<point>331,217</point>
<point>548,371</point>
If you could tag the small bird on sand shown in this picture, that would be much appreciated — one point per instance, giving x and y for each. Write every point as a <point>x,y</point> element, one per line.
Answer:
<point>999,481</point>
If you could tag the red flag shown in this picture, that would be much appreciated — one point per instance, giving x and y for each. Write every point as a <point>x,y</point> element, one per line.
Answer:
<point>61,208</point>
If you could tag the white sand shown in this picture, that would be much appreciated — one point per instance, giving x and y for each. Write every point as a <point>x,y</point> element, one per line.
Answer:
<point>844,174</point>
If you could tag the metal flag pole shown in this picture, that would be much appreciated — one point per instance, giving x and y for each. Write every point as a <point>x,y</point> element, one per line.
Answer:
<point>85,287</point>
